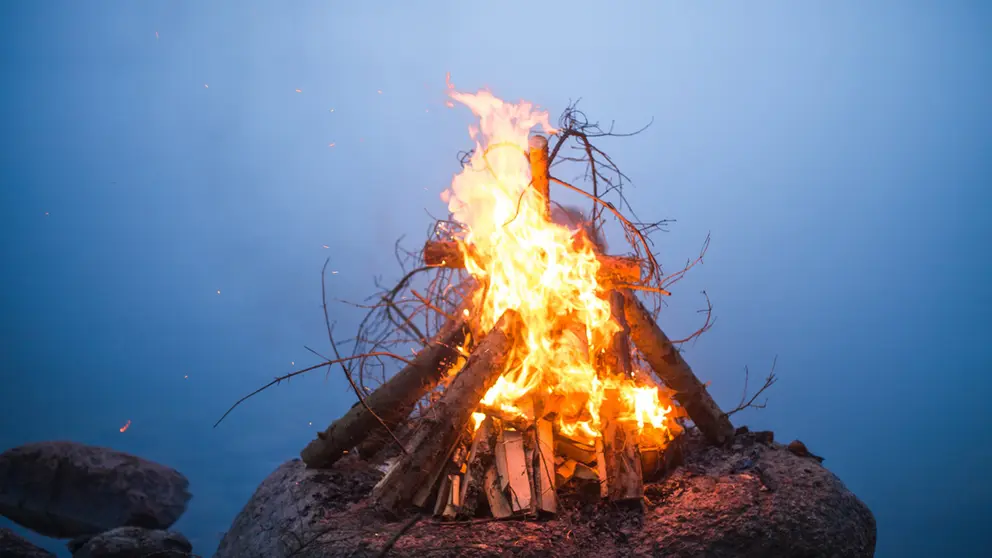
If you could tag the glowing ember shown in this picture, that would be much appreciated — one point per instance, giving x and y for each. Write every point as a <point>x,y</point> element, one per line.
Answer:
<point>547,273</point>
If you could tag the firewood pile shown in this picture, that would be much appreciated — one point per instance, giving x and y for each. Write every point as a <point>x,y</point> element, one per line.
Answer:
<point>539,365</point>
<point>498,430</point>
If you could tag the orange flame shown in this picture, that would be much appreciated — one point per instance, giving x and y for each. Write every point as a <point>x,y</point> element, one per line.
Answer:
<point>537,268</point>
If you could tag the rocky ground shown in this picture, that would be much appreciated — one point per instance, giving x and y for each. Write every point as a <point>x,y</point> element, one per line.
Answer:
<point>110,504</point>
<point>756,498</point>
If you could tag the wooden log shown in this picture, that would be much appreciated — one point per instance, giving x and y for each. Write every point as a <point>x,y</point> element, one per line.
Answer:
<point>673,370</point>
<point>544,468</point>
<point>656,462</point>
<point>604,484</point>
<point>453,461</point>
<point>577,451</point>
<point>454,497</point>
<point>443,496</point>
<point>515,421</point>
<point>517,481</point>
<point>623,463</point>
<point>450,415</point>
<point>480,459</point>
<point>538,154</point>
<point>613,270</point>
<point>499,506</point>
<point>617,358</point>
<point>393,401</point>
<point>530,460</point>
<point>571,468</point>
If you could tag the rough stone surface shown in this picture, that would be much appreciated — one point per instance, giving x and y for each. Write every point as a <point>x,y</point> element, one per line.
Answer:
<point>755,499</point>
<point>132,542</point>
<point>13,545</point>
<point>66,489</point>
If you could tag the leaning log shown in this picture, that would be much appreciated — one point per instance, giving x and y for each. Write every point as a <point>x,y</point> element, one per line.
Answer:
<point>393,401</point>
<point>672,369</point>
<point>613,270</point>
<point>617,357</point>
<point>449,416</point>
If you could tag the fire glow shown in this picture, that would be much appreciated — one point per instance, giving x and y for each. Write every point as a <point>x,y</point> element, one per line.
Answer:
<point>546,272</point>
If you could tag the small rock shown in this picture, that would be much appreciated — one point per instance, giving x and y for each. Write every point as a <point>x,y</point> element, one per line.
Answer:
<point>800,449</point>
<point>764,437</point>
<point>132,542</point>
<point>66,489</point>
<point>13,545</point>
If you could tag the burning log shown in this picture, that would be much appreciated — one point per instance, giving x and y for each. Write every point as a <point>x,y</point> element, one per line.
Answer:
<point>450,415</point>
<point>544,468</point>
<point>393,401</point>
<point>669,365</point>
<point>575,451</point>
<point>538,154</point>
<point>604,484</point>
<point>621,461</point>
<point>617,358</point>
<point>625,481</point>
<point>613,270</point>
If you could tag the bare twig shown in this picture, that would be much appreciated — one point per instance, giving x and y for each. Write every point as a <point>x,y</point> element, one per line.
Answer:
<point>347,372</point>
<point>771,379</point>
<point>278,380</point>
<point>707,324</point>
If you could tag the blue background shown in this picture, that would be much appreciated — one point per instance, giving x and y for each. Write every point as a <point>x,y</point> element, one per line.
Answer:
<point>839,152</point>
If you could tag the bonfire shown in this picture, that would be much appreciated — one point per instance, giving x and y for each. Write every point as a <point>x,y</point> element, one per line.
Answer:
<point>540,366</point>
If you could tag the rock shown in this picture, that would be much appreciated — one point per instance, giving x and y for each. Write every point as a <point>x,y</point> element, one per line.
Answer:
<point>132,542</point>
<point>764,437</point>
<point>801,450</point>
<point>295,504</point>
<point>66,489</point>
<point>778,505</point>
<point>13,545</point>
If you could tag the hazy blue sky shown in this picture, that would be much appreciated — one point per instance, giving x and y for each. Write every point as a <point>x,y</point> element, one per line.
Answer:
<point>838,151</point>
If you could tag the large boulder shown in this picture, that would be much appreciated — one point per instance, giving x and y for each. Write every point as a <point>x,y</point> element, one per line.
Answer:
<point>66,489</point>
<point>754,499</point>
<point>132,542</point>
<point>13,545</point>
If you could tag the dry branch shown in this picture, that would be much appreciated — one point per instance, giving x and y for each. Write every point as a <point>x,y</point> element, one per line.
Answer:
<point>393,401</point>
<point>449,416</point>
<point>668,364</point>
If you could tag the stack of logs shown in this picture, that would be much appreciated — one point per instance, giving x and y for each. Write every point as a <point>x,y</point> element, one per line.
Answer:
<point>506,464</point>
